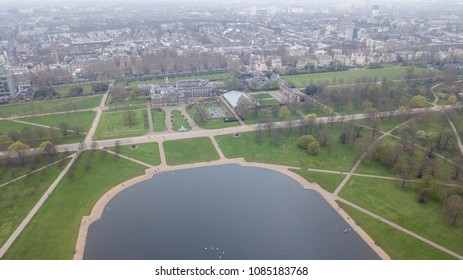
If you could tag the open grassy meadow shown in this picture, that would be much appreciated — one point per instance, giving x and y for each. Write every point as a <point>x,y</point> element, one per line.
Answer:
<point>349,77</point>
<point>18,198</point>
<point>83,119</point>
<point>50,106</point>
<point>147,153</point>
<point>190,151</point>
<point>52,234</point>
<point>327,181</point>
<point>387,199</point>
<point>398,245</point>
<point>112,125</point>
<point>39,134</point>
<point>338,157</point>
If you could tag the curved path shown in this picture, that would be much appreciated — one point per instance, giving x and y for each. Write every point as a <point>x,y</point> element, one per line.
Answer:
<point>331,198</point>
<point>457,136</point>
<point>99,207</point>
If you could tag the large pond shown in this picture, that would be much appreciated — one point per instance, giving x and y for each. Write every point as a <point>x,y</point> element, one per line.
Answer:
<point>222,212</point>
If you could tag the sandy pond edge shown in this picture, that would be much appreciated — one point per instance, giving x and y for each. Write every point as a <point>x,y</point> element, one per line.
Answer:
<point>99,207</point>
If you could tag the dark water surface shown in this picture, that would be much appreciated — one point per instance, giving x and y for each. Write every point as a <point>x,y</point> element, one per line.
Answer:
<point>222,212</point>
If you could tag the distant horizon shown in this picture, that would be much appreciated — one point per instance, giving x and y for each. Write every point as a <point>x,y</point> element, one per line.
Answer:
<point>258,2</point>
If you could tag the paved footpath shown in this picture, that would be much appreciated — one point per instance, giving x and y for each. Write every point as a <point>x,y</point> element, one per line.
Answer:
<point>96,121</point>
<point>150,118</point>
<point>456,136</point>
<point>36,208</point>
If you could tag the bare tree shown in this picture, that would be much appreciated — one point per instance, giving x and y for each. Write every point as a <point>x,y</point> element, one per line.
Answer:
<point>453,209</point>
<point>64,126</point>
<point>117,146</point>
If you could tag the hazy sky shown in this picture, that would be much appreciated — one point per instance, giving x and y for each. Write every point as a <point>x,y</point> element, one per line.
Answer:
<point>36,2</point>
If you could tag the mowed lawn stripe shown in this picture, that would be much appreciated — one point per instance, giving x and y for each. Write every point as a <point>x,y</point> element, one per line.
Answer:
<point>190,151</point>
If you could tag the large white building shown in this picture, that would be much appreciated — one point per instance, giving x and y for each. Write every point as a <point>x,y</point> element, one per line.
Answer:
<point>7,89</point>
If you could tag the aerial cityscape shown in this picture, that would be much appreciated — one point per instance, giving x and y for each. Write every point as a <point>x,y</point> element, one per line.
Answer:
<point>238,130</point>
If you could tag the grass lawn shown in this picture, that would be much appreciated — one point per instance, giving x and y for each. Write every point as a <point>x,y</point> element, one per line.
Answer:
<point>64,91</point>
<point>398,245</point>
<point>11,172</point>
<point>212,77</point>
<point>84,119</point>
<point>458,123</point>
<point>327,181</point>
<point>349,77</point>
<point>269,102</point>
<point>314,108</point>
<point>52,233</point>
<point>337,157</point>
<point>50,106</point>
<point>213,124</point>
<point>387,123</point>
<point>373,167</point>
<point>18,198</point>
<point>178,120</point>
<point>147,153</point>
<point>443,102</point>
<point>259,96</point>
<point>112,125</point>
<point>7,126</point>
<point>53,135</point>
<point>159,120</point>
<point>190,151</point>
<point>127,105</point>
<point>387,199</point>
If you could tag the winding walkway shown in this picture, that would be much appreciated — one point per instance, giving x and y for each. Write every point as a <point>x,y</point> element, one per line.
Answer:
<point>457,136</point>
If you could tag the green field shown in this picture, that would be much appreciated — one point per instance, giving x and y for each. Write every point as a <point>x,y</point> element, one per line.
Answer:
<point>7,126</point>
<point>127,105</point>
<point>190,151</point>
<point>147,153</point>
<point>65,90</point>
<point>398,245</point>
<point>178,121</point>
<point>83,119</point>
<point>212,77</point>
<point>269,102</point>
<point>327,181</point>
<point>337,157</point>
<point>50,106</point>
<point>387,199</point>
<point>259,96</point>
<point>159,120</point>
<point>112,126</point>
<point>349,77</point>
<point>212,124</point>
<point>52,233</point>
<point>53,135</point>
<point>15,170</point>
<point>18,198</point>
